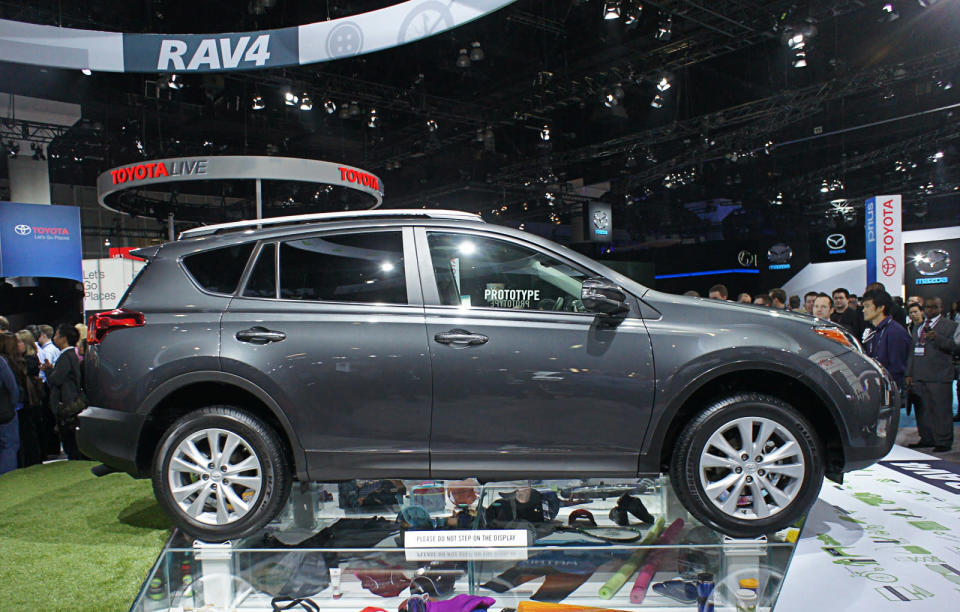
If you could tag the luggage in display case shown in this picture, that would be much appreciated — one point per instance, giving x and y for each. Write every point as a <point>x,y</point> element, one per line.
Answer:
<point>457,546</point>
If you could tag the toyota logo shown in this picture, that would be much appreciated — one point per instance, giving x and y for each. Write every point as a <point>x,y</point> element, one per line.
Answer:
<point>836,241</point>
<point>23,230</point>
<point>888,266</point>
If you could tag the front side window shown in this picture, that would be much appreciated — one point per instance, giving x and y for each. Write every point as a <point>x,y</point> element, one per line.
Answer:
<point>475,271</point>
<point>365,267</point>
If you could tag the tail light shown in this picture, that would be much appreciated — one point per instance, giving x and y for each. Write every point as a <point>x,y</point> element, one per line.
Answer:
<point>105,322</point>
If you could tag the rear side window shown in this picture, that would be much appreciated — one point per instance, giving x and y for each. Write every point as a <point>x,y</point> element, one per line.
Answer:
<point>364,267</point>
<point>219,270</point>
<point>263,279</point>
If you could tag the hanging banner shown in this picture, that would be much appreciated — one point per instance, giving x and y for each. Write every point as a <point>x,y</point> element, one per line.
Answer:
<point>40,240</point>
<point>884,238</point>
<point>322,41</point>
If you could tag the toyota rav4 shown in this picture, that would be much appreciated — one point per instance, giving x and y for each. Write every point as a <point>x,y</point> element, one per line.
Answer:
<point>414,344</point>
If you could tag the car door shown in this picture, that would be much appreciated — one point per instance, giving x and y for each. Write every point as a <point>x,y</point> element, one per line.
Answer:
<point>339,343</point>
<point>525,381</point>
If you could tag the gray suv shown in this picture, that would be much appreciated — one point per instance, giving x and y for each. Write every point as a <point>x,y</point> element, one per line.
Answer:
<point>429,344</point>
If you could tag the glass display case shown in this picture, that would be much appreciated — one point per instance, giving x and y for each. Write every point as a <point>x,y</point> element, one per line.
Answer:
<point>534,546</point>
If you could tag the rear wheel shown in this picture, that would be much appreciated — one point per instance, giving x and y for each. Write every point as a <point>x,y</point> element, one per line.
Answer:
<point>221,473</point>
<point>748,465</point>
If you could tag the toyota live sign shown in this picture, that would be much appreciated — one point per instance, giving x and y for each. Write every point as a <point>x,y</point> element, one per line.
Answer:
<point>40,240</point>
<point>884,242</point>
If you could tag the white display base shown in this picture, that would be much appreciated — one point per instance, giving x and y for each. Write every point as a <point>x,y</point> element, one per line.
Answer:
<point>881,541</point>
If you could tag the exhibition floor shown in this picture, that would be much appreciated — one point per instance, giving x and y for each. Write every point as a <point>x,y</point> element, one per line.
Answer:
<point>890,534</point>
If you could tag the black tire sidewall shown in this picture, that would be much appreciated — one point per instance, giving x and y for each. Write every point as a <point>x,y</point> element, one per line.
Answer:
<point>686,474</point>
<point>262,441</point>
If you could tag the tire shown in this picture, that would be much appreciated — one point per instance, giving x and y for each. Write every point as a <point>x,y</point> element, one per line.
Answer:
<point>770,495</point>
<point>257,459</point>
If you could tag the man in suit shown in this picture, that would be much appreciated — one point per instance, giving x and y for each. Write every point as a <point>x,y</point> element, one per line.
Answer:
<point>66,384</point>
<point>930,375</point>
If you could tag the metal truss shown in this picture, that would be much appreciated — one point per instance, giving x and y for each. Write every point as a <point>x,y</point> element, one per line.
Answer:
<point>30,131</point>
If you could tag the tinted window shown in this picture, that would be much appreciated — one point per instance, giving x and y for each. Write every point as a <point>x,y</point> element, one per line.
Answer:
<point>263,278</point>
<point>485,272</point>
<point>365,267</point>
<point>219,270</point>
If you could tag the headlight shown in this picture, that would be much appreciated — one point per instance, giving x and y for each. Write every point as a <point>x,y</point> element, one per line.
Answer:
<point>840,336</point>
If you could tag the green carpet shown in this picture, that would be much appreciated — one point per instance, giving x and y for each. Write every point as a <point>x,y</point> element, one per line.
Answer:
<point>72,541</point>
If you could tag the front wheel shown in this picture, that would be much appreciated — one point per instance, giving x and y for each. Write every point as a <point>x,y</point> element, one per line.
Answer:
<point>220,473</point>
<point>748,465</point>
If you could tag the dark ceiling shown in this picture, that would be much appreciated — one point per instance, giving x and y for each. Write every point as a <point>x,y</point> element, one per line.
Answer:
<point>868,114</point>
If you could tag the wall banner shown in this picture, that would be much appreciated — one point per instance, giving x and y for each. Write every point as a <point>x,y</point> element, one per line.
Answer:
<point>106,280</point>
<point>884,242</point>
<point>40,240</point>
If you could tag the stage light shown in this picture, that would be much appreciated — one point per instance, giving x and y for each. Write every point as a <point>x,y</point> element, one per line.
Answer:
<point>796,41</point>
<point>289,99</point>
<point>432,125</point>
<point>657,101</point>
<point>665,29</point>
<point>13,149</point>
<point>888,13</point>
<point>86,71</point>
<point>173,82</point>
<point>824,186</point>
<point>800,59</point>
<point>476,53</point>
<point>463,60</point>
<point>664,84</point>
<point>354,108</point>
<point>936,157</point>
<point>926,3</point>
<point>38,152</point>
<point>372,120</point>
<point>633,14</point>
<point>258,103</point>
<point>611,10</point>
<point>545,133</point>
<point>305,102</point>
<point>330,106</point>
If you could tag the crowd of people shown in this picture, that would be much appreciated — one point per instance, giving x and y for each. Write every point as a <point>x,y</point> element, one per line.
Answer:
<point>41,391</point>
<point>916,341</point>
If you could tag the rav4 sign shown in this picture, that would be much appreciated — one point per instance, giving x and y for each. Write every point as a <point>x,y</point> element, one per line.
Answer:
<point>884,234</point>
<point>207,52</point>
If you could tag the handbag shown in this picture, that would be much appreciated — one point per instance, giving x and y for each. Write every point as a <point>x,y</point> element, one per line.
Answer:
<point>68,411</point>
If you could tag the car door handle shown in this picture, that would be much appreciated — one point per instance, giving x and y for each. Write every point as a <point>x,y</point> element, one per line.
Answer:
<point>260,335</point>
<point>460,337</point>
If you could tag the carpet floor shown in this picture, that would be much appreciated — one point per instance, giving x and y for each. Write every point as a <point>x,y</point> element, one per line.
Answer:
<point>72,541</point>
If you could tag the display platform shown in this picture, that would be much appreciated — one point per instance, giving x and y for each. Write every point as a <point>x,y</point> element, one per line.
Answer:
<point>525,545</point>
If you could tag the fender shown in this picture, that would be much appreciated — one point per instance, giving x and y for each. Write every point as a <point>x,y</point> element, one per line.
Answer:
<point>652,446</point>
<point>167,387</point>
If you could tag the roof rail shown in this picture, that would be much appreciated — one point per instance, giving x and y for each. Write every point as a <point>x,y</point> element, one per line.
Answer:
<point>207,230</point>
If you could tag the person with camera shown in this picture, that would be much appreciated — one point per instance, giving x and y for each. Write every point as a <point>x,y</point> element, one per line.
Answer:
<point>65,381</point>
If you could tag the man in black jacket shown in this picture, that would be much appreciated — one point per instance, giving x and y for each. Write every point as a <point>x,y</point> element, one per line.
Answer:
<point>66,385</point>
<point>930,374</point>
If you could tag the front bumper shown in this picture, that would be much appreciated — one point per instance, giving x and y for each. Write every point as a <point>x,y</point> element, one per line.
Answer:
<point>110,436</point>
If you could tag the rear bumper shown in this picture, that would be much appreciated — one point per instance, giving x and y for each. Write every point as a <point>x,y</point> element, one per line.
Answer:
<point>110,436</point>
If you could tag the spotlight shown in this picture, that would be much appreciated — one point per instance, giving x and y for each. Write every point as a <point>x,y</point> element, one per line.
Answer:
<point>665,29</point>
<point>824,186</point>
<point>545,133</point>
<point>888,13</point>
<point>86,71</point>
<point>663,85</point>
<point>354,108</point>
<point>476,53</point>
<point>633,14</point>
<point>38,152</point>
<point>258,103</point>
<point>372,120</point>
<point>800,59</point>
<point>330,106</point>
<point>463,60</point>
<point>432,125</point>
<point>611,10</point>
<point>926,3</point>
<point>796,41</point>
<point>657,101</point>
<point>936,157</point>
<point>106,241</point>
<point>13,149</point>
<point>344,112</point>
<point>610,100</point>
<point>306,103</point>
<point>173,82</point>
<point>768,147</point>
<point>289,99</point>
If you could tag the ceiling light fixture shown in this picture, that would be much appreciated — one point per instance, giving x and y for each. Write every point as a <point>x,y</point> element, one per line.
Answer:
<point>888,13</point>
<point>258,103</point>
<point>330,106</point>
<point>86,71</point>
<point>800,59</point>
<point>289,99</point>
<point>665,29</point>
<point>476,53</point>
<point>372,120</point>
<point>657,101</point>
<point>463,60</point>
<point>432,125</point>
<point>634,11</point>
<point>545,133</point>
<point>354,108</point>
<point>664,84</point>
<point>611,10</point>
<point>305,102</point>
<point>173,82</point>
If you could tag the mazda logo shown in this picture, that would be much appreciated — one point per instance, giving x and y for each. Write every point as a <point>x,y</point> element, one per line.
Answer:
<point>836,241</point>
<point>745,258</point>
<point>932,262</point>
<point>780,253</point>
<point>23,230</point>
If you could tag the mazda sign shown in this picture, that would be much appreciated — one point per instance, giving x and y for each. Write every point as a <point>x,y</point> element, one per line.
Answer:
<point>932,262</point>
<point>836,241</point>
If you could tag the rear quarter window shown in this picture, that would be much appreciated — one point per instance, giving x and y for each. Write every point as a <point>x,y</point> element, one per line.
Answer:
<point>219,270</point>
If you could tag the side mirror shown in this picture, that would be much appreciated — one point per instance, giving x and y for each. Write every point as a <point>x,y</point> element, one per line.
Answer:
<point>604,298</point>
